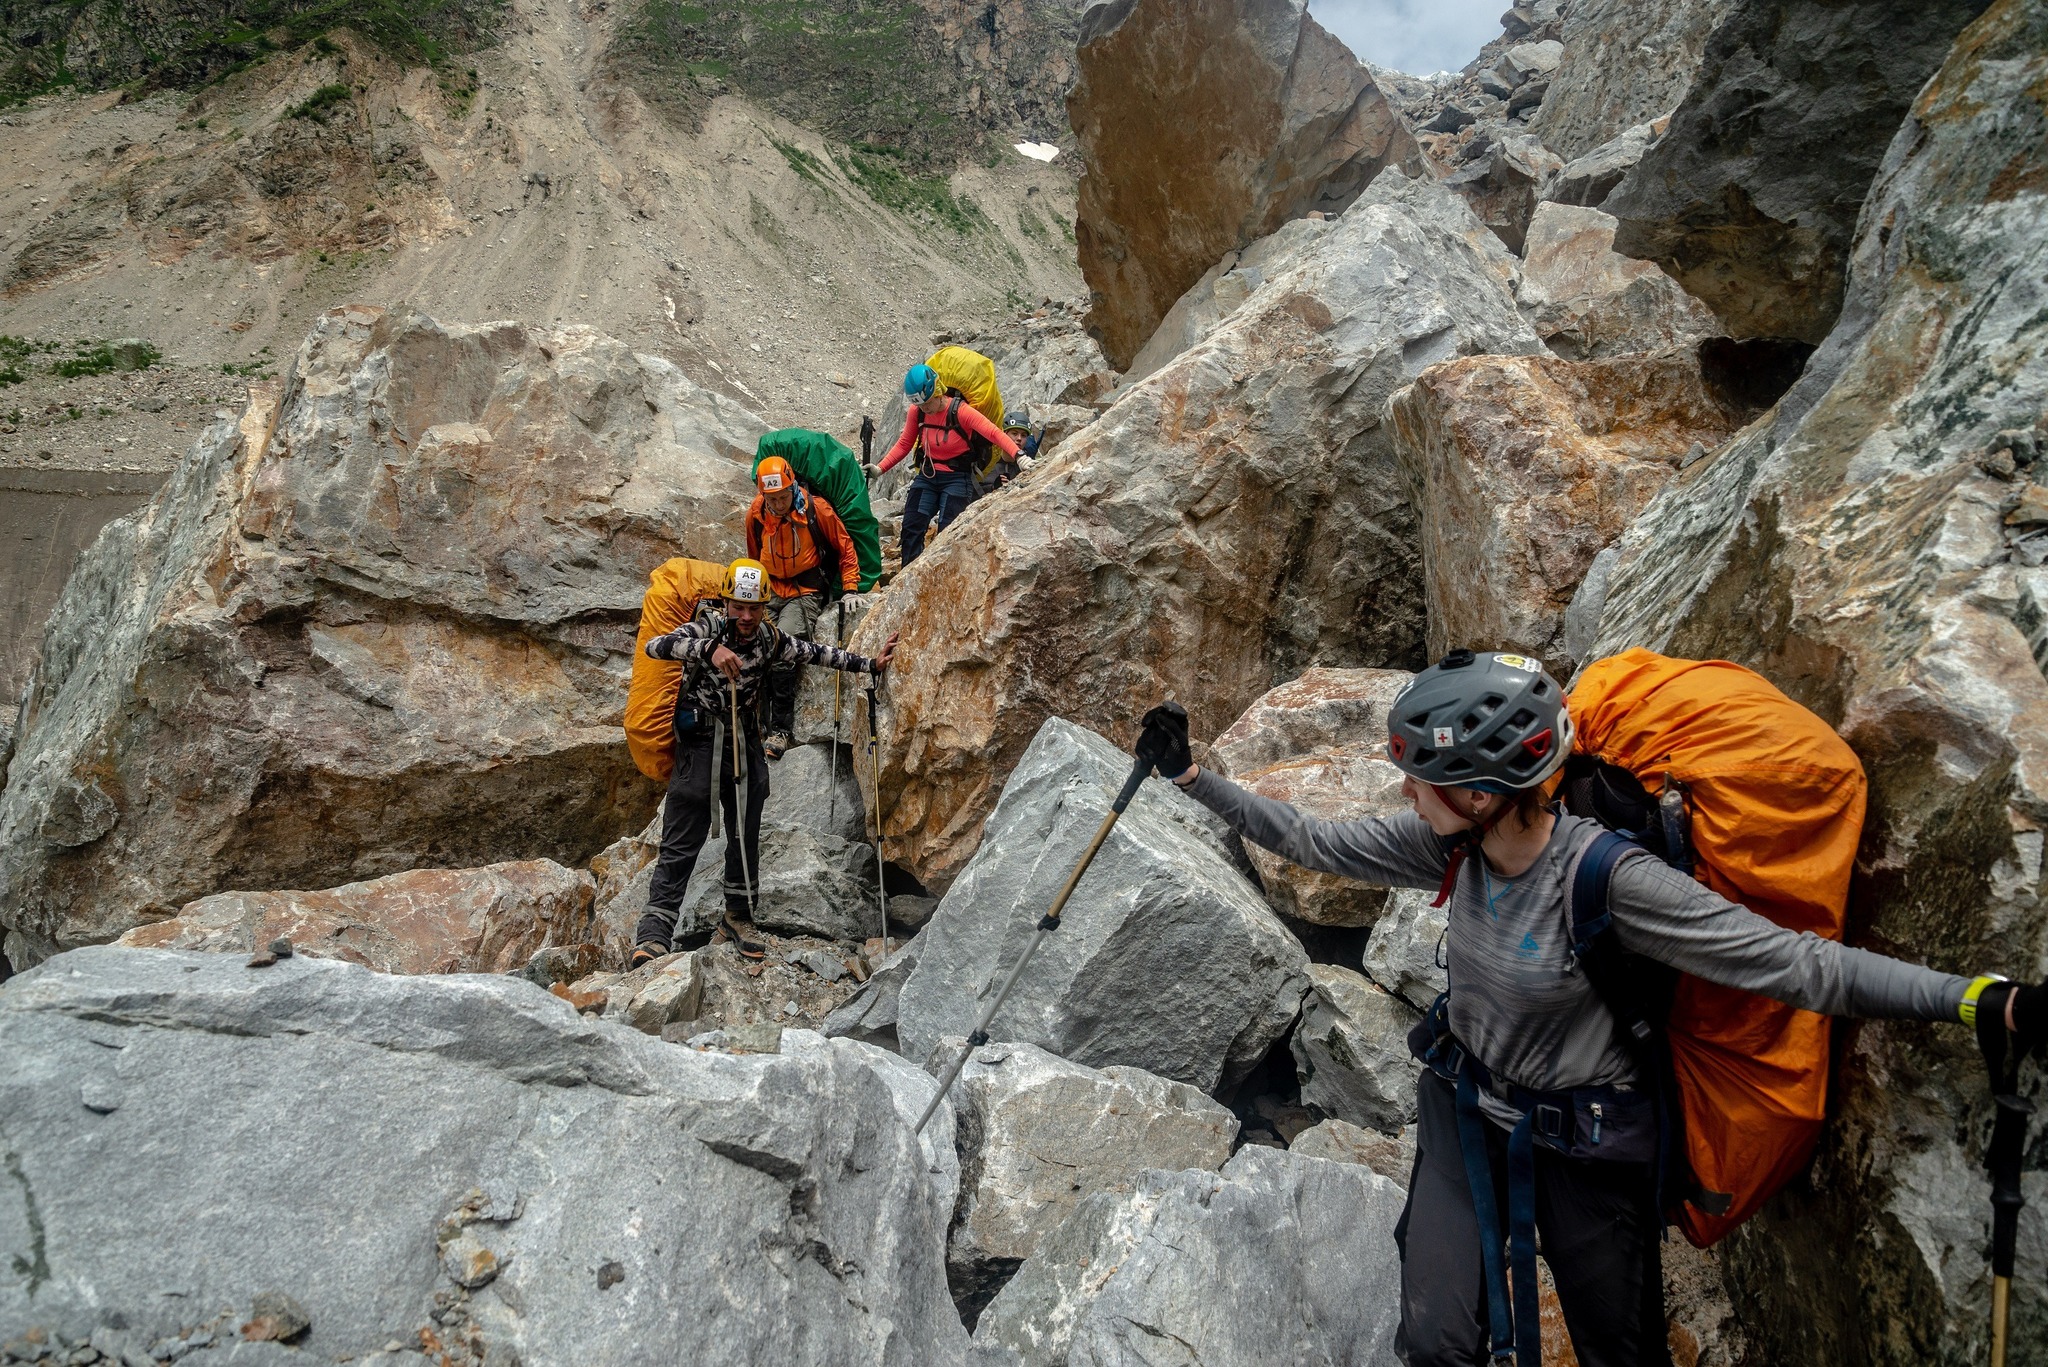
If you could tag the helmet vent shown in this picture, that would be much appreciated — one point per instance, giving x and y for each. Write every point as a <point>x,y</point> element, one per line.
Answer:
<point>1522,719</point>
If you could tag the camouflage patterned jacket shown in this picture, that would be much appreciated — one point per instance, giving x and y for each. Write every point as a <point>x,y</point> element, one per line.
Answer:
<point>703,687</point>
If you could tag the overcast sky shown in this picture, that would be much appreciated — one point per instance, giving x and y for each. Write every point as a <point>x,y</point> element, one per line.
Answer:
<point>1418,36</point>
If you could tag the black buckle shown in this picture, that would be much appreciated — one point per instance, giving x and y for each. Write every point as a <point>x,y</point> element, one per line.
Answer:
<point>1550,1121</point>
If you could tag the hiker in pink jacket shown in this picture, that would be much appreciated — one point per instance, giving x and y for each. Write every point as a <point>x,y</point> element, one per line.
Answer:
<point>945,430</point>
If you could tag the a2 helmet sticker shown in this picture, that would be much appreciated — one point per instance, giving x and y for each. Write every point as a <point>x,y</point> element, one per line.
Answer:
<point>771,483</point>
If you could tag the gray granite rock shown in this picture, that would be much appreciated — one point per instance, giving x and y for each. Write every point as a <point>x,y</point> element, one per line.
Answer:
<point>1751,196</point>
<point>1304,1246</point>
<point>1166,959</point>
<point>1037,1134</point>
<point>1351,1051</point>
<point>338,1136</point>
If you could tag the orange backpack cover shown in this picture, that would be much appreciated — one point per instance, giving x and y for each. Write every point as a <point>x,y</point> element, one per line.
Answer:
<point>673,592</point>
<point>1777,804</point>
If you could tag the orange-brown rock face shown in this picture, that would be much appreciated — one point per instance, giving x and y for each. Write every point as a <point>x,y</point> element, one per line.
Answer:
<point>383,624</point>
<point>1528,467</point>
<point>488,920</point>
<point>1236,517</point>
<point>1205,125</point>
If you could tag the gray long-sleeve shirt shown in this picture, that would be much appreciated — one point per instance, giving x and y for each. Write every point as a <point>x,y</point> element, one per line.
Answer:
<point>1518,1000</point>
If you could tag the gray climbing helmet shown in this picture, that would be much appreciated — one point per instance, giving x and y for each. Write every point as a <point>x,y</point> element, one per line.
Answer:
<point>1495,722</point>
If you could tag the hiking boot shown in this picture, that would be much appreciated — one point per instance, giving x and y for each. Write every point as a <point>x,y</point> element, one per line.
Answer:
<point>744,936</point>
<point>776,743</point>
<point>646,952</point>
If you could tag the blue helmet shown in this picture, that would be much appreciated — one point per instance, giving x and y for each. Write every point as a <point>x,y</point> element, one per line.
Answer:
<point>920,382</point>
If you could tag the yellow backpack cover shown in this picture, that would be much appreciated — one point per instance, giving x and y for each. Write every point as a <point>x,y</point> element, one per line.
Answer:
<point>673,592</point>
<point>974,375</point>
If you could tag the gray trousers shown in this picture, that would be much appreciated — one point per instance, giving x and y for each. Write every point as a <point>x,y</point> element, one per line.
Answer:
<point>798,617</point>
<point>1596,1224</point>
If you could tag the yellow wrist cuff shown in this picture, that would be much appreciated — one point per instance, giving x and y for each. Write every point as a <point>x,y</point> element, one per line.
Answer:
<point>1967,1009</point>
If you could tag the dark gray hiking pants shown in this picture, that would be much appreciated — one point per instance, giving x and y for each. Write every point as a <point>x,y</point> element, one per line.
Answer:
<point>1597,1227</point>
<point>686,821</point>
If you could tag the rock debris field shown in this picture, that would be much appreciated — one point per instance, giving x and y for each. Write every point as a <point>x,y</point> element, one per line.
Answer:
<point>321,847</point>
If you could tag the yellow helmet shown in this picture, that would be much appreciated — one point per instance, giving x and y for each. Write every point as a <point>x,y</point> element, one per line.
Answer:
<point>746,581</point>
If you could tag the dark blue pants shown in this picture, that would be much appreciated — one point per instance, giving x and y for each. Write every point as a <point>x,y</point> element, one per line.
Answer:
<point>934,500</point>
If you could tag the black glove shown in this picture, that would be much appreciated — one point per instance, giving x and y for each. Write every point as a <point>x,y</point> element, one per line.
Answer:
<point>2029,1015</point>
<point>1163,742</point>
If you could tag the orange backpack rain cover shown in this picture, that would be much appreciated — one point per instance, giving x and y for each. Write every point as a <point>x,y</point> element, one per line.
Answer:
<point>673,592</point>
<point>1777,809</point>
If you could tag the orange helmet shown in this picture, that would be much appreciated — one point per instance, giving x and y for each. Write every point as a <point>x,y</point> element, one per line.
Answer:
<point>773,475</point>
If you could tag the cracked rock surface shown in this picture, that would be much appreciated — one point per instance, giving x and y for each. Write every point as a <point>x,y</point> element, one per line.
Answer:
<point>459,1166</point>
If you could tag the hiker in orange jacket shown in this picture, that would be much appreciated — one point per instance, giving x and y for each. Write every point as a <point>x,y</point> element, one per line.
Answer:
<point>944,428</point>
<point>810,557</point>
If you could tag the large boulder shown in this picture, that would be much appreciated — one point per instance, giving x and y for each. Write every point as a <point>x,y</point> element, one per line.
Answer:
<point>1037,1134</point>
<point>1854,549</point>
<point>1166,959</point>
<point>459,1164</point>
<point>1528,467</point>
<point>1351,1051</point>
<point>383,622</point>
<point>1322,710</point>
<point>1318,743</point>
<point>1586,300</point>
<point>1750,198</point>
<point>1405,954</point>
<point>1203,126</point>
<point>1235,517</point>
<point>1304,1246</point>
<point>1353,782</point>
<point>1504,183</point>
<point>488,920</point>
<point>1588,180</point>
<point>1626,62</point>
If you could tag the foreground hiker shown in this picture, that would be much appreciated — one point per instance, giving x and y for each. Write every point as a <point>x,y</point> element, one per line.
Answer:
<point>1539,1116</point>
<point>949,435</point>
<point>726,651</point>
<point>809,557</point>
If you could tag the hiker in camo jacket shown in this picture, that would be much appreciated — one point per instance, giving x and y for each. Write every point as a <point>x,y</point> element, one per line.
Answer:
<point>718,650</point>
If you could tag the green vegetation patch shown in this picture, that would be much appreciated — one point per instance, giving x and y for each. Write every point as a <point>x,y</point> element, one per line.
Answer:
<point>859,71</point>
<point>890,185</point>
<point>15,354</point>
<point>206,40</point>
<point>103,358</point>
<point>316,105</point>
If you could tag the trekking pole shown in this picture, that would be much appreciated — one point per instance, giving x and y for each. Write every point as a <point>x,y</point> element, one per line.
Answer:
<point>838,683</point>
<point>2007,1151</point>
<point>875,806</point>
<point>1050,922</point>
<point>738,834</point>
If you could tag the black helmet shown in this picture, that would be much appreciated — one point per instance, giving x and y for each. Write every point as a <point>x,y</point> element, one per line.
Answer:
<point>1495,722</point>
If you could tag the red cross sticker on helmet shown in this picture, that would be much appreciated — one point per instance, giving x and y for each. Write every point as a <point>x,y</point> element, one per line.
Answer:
<point>1445,737</point>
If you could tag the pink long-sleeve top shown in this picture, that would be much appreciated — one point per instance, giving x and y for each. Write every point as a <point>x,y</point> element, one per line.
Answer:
<point>946,443</point>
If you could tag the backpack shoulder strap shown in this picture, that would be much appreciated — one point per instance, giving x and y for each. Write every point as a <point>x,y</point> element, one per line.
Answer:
<point>1591,916</point>
<point>1599,950</point>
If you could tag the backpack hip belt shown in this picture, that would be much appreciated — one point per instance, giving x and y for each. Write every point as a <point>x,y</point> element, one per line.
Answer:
<point>1616,1124</point>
